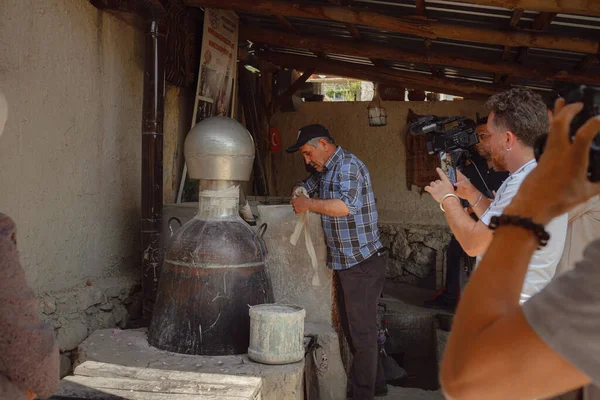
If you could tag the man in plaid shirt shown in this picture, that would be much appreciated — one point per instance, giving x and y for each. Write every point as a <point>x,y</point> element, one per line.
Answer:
<point>354,250</point>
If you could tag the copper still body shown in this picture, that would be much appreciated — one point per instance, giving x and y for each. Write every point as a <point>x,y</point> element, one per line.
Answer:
<point>214,265</point>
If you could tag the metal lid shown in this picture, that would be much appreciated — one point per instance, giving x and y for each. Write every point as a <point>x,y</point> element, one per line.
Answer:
<point>219,148</point>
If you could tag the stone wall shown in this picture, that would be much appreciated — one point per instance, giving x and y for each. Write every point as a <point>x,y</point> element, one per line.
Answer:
<point>417,253</point>
<point>76,313</point>
<point>70,159</point>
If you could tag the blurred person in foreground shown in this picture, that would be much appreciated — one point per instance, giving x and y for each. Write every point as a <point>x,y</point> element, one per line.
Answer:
<point>29,358</point>
<point>499,349</point>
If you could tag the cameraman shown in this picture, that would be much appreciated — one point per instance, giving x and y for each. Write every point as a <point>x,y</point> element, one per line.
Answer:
<point>549,345</point>
<point>480,173</point>
<point>517,118</point>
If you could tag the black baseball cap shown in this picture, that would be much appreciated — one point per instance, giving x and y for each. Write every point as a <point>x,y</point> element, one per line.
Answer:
<point>307,133</point>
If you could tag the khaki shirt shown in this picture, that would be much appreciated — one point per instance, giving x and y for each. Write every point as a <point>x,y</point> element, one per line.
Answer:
<point>583,228</point>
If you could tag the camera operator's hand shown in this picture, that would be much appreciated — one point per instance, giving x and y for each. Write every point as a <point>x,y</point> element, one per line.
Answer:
<point>560,180</point>
<point>438,189</point>
<point>465,189</point>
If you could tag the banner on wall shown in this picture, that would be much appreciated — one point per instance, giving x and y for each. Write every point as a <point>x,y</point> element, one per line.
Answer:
<point>216,77</point>
<point>218,64</point>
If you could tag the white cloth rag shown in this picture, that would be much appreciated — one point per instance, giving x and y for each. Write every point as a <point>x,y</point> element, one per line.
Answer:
<point>302,221</point>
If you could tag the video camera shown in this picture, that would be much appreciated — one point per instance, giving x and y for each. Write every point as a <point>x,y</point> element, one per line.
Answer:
<point>449,138</point>
<point>590,97</point>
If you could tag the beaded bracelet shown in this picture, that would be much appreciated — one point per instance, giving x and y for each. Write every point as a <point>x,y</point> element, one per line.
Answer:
<point>527,223</point>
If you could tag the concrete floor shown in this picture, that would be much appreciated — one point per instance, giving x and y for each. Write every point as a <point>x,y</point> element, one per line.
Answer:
<point>398,393</point>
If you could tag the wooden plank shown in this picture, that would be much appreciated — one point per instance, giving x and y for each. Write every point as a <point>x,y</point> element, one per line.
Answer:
<point>69,390</point>
<point>583,7</point>
<point>377,74</point>
<point>98,369</point>
<point>196,387</point>
<point>377,51</point>
<point>411,26</point>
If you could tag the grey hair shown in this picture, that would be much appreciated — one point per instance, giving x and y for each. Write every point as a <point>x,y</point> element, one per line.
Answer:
<point>522,112</point>
<point>315,141</point>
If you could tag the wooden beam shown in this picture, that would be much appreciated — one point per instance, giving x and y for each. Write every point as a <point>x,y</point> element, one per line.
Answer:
<point>514,22</point>
<point>353,31</point>
<point>285,24</point>
<point>420,6</point>
<point>417,27</point>
<point>377,51</point>
<point>147,9</point>
<point>583,7</point>
<point>515,18</point>
<point>587,62</point>
<point>277,102</point>
<point>378,74</point>
<point>542,21</point>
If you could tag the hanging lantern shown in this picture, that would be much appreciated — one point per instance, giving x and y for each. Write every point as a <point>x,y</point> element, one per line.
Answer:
<point>376,113</point>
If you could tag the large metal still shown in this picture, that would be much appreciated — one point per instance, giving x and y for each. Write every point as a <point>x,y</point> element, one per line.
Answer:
<point>214,265</point>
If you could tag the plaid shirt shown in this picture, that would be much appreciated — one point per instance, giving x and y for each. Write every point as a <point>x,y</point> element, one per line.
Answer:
<point>355,237</point>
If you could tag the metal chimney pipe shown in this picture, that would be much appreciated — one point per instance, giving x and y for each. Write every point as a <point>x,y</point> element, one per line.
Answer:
<point>152,160</point>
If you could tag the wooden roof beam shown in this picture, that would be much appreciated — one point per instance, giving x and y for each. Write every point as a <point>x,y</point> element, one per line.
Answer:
<point>353,31</point>
<point>583,7</point>
<point>378,51</point>
<point>285,24</point>
<point>420,8</point>
<point>378,74</point>
<point>541,22</point>
<point>412,26</point>
<point>587,62</point>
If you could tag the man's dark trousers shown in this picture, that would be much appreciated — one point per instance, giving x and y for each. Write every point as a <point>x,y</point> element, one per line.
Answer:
<point>362,286</point>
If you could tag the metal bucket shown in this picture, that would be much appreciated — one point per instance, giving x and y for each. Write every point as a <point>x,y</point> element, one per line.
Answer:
<point>276,333</point>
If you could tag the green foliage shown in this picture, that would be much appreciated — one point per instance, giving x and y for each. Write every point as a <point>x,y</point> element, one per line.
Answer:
<point>348,91</point>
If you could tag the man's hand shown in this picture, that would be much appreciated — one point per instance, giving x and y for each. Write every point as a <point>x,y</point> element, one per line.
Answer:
<point>438,189</point>
<point>300,204</point>
<point>465,189</point>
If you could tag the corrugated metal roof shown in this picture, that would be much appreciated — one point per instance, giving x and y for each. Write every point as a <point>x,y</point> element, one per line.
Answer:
<point>450,12</point>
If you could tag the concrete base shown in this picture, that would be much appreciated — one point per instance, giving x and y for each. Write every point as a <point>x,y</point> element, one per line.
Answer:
<point>131,348</point>
<point>414,330</point>
<point>290,268</point>
<point>400,393</point>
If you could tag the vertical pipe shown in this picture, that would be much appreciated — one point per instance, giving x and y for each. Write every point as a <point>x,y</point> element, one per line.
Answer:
<point>152,160</point>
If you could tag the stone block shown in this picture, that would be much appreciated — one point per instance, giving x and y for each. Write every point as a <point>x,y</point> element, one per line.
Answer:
<point>47,304</point>
<point>66,367</point>
<point>71,334</point>
<point>400,247</point>
<point>130,348</point>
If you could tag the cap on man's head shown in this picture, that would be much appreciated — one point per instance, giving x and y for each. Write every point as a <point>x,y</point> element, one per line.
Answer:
<point>307,133</point>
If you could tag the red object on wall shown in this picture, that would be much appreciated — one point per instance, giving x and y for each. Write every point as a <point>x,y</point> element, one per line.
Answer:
<point>275,139</point>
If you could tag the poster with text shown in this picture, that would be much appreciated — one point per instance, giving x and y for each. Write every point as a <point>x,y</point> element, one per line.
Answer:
<point>217,63</point>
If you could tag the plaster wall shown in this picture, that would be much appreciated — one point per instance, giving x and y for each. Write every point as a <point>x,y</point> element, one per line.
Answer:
<point>70,153</point>
<point>380,148</point>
